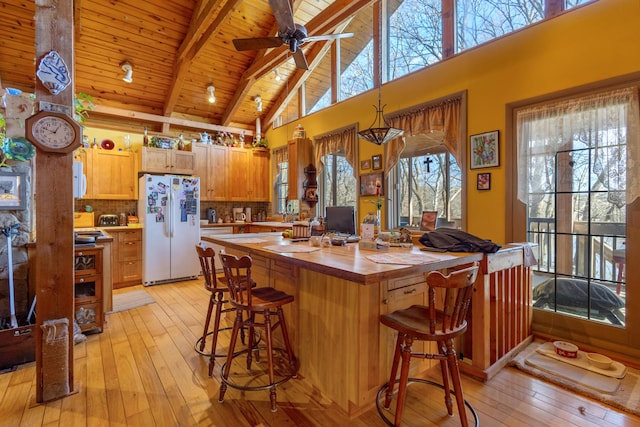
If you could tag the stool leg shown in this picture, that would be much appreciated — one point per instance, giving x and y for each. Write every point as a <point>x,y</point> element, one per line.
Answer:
<point>237,324</point>
<point>404,378</point>
<point>444,368</point>
<point>250,343</point>
<point>216,327</point>
<point>272,390</point>
<point>287,342</point>
<point>452,360</point>
<point>206,323</point>
<point>394,372</point>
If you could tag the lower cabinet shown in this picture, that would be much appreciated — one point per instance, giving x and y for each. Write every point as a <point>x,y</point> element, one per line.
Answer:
<point>88,308</point>
<point>126,257</point>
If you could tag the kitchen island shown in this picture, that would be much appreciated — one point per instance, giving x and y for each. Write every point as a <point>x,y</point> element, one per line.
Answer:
<point>340,293</point>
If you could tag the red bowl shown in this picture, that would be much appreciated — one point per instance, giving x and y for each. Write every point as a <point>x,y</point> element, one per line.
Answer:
<point>566,349</point>
<point>107,144</point>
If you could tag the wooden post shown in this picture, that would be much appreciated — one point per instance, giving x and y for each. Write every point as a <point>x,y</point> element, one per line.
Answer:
<point>54,196</point>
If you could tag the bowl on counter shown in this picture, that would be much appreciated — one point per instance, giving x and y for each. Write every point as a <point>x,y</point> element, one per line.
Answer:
<point>599,360</point>
<point>566,349</point>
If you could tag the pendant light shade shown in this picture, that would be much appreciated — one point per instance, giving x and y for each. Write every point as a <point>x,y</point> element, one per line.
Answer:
<point>383,133</point>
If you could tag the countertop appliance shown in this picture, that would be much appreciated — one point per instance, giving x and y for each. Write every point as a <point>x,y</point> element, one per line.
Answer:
<point>212,215</point>
<point>108,220</point>
<point>169,211</point>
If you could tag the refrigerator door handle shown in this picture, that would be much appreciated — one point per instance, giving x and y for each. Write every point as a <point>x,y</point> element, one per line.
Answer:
<point>170,213</point>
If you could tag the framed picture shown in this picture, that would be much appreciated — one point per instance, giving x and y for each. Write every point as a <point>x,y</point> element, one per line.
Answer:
<point>376,162</point>
<point>365,164</point>
<point>13,191</point>
<point>484,181</point>
<point>485,150</point>
<point>369,183</point>
<point>428,222</point>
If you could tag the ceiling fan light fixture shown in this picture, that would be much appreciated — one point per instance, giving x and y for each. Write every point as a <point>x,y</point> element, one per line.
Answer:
<point>212,96</point>
<point>381,134</point>
<point>277,75</point>
<point>128,72</point>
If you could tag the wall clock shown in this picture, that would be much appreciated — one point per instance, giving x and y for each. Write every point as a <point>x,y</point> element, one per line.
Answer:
<point>53,132</point>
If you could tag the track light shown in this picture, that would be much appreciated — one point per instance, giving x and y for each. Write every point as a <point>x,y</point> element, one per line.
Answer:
<point>212,96</point>
<point>258,102</point>
<point>278,77</point>
<point>128,71</point>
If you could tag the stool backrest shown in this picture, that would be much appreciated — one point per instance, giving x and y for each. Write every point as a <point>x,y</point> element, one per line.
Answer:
<point>448,314</point>
<point>208,267</point>
<point>237,271</point>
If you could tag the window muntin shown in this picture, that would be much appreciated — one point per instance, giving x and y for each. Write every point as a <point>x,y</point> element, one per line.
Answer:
<point>281,186</point>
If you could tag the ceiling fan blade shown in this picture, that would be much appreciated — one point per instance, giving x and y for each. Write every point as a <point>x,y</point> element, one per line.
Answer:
<point>327,37</point>
<point>257,43</point>
<point>301,61</point>
<point>284,15</point>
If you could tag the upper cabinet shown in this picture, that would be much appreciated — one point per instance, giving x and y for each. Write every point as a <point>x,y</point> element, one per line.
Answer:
<point>211,166</point>
<point>160,160</point>
<point>111,175</point>
<point>300,152</point>
<point>248,175</point>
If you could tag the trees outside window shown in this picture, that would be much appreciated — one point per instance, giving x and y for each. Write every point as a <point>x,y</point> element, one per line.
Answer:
<point>338,185</point>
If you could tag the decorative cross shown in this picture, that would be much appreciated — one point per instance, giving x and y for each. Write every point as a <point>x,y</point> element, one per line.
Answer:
<point>428,162</point>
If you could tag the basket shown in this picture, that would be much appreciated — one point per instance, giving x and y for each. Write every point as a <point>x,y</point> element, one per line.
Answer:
<point>301,231</point>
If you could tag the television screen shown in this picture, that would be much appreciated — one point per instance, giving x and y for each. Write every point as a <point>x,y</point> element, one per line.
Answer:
<point>340,219</point>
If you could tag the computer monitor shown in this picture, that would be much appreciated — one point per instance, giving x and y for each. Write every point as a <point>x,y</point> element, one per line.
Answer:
<point>340,219</point>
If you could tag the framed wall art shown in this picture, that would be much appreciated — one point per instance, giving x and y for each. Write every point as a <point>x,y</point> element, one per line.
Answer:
<point>13,191</point>
<point>428,221</point>
<point>484,181</point>
<point>485,150</point>
<point>365,164</point>
<point>370,182</point>
<point>376,162</point>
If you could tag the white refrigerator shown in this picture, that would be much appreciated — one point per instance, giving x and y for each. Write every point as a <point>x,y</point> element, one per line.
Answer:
<point>169,211</point>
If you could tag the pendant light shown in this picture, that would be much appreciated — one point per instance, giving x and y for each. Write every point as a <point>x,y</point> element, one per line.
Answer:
<point>381,134</point>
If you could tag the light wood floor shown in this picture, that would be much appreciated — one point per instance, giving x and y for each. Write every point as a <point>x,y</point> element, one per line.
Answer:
<point>143,371</point>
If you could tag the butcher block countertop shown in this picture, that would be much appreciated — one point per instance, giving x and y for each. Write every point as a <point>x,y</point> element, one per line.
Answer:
<point>347,262</point>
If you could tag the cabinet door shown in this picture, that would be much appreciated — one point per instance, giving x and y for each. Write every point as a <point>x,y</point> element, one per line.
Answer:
<point>300,152</point>
<point>260,176</point>
<point>182,162</point>
<point>85,156</point>
<point>218,172</point>
<point>239,173</point>
<point>113,175</point>
<point>399,294</point>
<point>202,169</point>
<point>155,160</point>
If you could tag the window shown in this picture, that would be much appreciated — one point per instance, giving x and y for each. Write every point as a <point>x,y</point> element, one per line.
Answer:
<point>281,180</point>
<point>356,56</point>
<point>575,160</point>
<point>422,44</point>
<point>428,182</point>
<point>479,21</point>
<point>337,183</point>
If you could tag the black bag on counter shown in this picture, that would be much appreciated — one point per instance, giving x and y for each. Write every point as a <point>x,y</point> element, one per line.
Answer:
<point>457,241</point>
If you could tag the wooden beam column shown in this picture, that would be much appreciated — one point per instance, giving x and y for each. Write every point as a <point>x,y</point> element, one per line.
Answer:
<point>54,210</point>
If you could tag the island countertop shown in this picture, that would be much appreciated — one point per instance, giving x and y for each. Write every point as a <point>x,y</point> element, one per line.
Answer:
<point>348,262</point>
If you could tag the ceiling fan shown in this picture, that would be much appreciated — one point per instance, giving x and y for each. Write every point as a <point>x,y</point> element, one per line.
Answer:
<point>289,33</point>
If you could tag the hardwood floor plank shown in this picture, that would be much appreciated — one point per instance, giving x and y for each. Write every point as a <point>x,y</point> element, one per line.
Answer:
<point>143,371</point>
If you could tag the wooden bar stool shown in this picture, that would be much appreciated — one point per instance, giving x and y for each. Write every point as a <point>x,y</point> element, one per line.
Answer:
<point>619,258</point>
<point>441,322</point>
<point>266,302</point>
<point>218,287</point>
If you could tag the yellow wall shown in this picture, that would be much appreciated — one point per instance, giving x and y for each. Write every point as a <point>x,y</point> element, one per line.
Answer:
<point>592,43</point>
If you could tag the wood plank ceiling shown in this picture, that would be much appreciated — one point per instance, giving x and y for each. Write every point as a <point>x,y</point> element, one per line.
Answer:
<point>178,48</point>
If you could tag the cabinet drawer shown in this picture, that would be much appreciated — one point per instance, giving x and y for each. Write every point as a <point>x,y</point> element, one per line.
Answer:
<point>89,316</point>
<point>131,236</point>
<point>87,262</point>
<point>130,251</point>
<point>406,281</point>
<point>88,289</point>
<point>130,271</point>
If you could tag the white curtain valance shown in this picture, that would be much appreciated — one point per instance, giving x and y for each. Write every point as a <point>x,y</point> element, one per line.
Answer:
<point>593,121</point>
<point>340,140</point>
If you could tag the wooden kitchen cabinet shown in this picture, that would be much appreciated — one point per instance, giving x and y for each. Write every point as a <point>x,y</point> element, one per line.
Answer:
<point>260,175</point>
<point>111,175</point>
<point>126,256</point>
<point>211,166</point>
<point>300,152</point>
<point>88,307</point>
<point>248,175</point>
<point>160,160</point>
